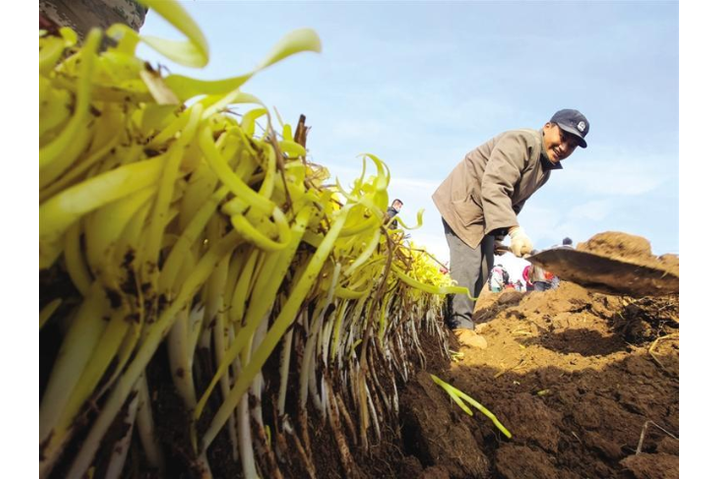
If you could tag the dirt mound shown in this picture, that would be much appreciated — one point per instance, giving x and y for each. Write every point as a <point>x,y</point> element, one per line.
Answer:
<point>574,375</point>
<point>631,248</point>
<point>617,245</point>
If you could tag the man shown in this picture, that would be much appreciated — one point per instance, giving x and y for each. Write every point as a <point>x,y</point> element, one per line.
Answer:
<point>481,197</point>
<point>392,211</point>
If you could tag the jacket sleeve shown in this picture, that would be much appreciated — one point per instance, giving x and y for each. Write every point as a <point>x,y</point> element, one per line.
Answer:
<point>504,169</point>
<point>518,207</point>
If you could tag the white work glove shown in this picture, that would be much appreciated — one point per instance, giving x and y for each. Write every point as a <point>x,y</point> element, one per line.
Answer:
<point>521,244</point>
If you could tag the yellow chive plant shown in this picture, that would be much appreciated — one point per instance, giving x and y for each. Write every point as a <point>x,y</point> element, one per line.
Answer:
<point>179,224</point>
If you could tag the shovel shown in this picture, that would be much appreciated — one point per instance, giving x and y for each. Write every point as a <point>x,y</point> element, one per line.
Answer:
<point>606,275</point>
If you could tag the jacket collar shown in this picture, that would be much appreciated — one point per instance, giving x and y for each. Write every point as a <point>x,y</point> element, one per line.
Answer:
<point>544,159</point>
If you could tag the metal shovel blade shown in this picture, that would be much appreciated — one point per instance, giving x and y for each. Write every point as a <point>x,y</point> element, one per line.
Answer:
<point>604,274</point>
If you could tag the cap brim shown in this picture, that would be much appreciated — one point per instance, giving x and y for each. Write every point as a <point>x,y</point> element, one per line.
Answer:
<point>575,132</point>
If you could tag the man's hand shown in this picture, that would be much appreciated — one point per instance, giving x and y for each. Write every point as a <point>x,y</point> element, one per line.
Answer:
<point>500,248</point>
<point>521,244</point>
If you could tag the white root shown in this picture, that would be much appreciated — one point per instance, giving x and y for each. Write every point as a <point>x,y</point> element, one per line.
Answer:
<point>220,331</point>
<point>179,365</point>
<point>247,454</point>
<point>284,370</point>
<point>78,345</point>
<point>146,427</point>
<point>119,451</point>
<point>373,411</point>
<point>335,425</point>
<point>261,441</point>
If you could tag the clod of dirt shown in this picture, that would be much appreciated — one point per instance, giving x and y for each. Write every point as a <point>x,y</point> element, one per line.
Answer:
<point>630,248</point>
<point>533,421</point>
<point>410,468</point>
<point>671,261</point>
<point>569,297</point>
<point>669,445</point>
<point>510,297</point>
<point>435,472</point>
<point>607,448</point>
<point>438,434</point>
<point>520,462</point>
<point>617,245</point>
<point>652,466</point>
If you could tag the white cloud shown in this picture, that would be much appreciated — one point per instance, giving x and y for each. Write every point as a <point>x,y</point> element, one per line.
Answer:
<point>625,174</point>
<point>541,222</point>
<point>356,129</point>
<point>592,210</point>
<point>412,185</point>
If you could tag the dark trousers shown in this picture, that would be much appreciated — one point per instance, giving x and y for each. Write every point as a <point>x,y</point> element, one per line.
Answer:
<point>470,268</point>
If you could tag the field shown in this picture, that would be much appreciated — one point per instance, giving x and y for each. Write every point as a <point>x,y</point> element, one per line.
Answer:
<point>582,380</point>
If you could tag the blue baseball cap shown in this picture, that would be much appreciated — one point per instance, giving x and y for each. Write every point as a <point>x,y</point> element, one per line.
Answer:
<point>572,121</point>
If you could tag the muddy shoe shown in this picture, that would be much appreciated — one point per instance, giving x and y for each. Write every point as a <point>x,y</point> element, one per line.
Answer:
<point>479,328</point>
<point>468,337</point>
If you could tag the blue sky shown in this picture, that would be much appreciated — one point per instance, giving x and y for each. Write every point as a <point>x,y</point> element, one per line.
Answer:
<point>420,84</point>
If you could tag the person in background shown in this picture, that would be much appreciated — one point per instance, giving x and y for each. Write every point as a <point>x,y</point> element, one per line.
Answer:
<point>538,277</point>
<point>525,277</point>
<point>392,211</point>
<point>498,278</point>
<point>552,279</point>
<point>567,243</point>
<point>483,195</point>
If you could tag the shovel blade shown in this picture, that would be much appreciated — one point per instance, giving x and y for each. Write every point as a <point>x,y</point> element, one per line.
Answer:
<point>606,275</point>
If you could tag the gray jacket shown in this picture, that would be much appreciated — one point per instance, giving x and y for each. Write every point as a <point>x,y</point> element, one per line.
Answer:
<point>487,189</point>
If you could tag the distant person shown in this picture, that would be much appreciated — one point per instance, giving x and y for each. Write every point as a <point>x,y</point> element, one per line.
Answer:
<point>567,243</point>
<point>555,282</point>
<point>552,279</point>
<point>483,195</point>
<point>498,278</point>
<point>392,211</point>
<point>525,277</point>
<point>538,277</point>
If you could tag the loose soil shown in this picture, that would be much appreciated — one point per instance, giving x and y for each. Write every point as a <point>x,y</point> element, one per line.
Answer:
<point>587,383</point>
<point>575,376</point>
